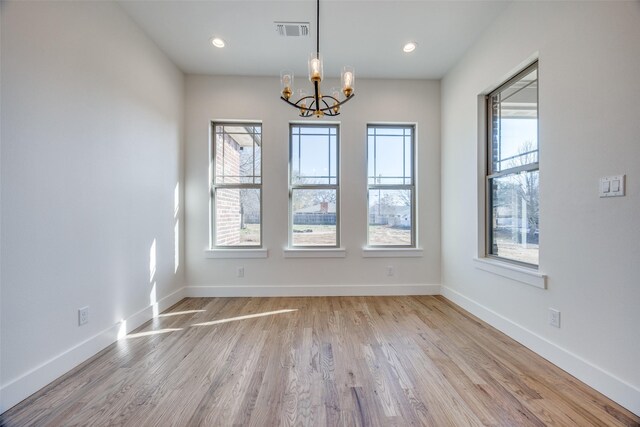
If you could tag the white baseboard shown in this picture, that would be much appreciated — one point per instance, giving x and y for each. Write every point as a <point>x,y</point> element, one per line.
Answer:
<point>24,386</point>
<point>611,386</point>
<point>310,290</point>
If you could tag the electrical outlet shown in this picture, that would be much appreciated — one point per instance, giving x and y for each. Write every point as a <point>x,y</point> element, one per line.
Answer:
<point>83,316</point>
<point>240,271</point>
<point>390,271</point>
<point>554,317</point>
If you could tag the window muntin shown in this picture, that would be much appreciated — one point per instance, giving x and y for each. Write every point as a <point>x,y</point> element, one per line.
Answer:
<point>512,169</point>
<point>314,192</point>
<point>236,187</point>
<point>391,186</point>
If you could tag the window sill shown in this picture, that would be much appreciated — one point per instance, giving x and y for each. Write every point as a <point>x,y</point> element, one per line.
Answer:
<point>236,253</point>
<point>525,275</point>
<point>370,252</point>
<point>314,253</point>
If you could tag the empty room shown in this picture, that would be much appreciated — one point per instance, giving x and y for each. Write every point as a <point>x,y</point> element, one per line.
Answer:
<point>319,213</point>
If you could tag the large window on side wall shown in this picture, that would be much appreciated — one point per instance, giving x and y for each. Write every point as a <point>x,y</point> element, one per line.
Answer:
<point>236,185</point>
<point>314,186</point>
<point>513,202</point>
<point>391,185</point>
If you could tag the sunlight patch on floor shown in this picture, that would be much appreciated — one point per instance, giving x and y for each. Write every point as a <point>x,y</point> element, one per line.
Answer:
<point>178,313</point>
<point>248,316</point>
<point>150,333</point>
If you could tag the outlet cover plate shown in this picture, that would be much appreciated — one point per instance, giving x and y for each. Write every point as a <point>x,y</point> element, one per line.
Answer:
<point>554,317</point>
<point>83,316</point>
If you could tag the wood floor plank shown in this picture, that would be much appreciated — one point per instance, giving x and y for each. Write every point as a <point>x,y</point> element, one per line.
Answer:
<point>325,361</point>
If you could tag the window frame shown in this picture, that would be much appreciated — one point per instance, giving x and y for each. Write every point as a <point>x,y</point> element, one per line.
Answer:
<point>293,187</point>
<point>490,174</point>
<point>411,187</point>
<point>213,185</point>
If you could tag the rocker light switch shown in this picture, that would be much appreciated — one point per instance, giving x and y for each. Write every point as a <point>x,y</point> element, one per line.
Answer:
<point>615,185</point>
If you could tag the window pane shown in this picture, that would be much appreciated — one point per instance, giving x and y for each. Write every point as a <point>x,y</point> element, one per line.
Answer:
<point>390,217</point>
<point>313,130</point>
<point>514,123</point>
<point>237,217</point>
<point>408,155</point>
<point>515,217</point>
<point>389,160</point>
<point>387,130</point>
<point>237,154</point>
<point>257,163</point>
<point>314,157</point>
<point>390,157</point>
<point>333,164</point>
<point>314,218</point>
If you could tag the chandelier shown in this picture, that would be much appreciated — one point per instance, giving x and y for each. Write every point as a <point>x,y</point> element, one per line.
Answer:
<point>318,104</point>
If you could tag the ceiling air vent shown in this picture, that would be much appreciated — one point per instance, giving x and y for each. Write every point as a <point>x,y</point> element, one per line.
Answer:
<point>292,29</point>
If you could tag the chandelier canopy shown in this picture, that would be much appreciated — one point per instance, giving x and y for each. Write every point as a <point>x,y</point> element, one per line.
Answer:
<point>318,104</point>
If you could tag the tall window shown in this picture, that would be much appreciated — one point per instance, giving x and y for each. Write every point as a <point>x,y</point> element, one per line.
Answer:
<point>314,190</point>
<point>236,186</point>
<point>512,165</point>
<point>391,185</point>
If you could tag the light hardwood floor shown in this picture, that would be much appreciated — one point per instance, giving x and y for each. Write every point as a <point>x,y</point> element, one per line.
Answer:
<point>388,361</point>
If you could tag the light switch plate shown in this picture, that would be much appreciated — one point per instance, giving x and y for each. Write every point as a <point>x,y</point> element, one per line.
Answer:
<point>612,186</point>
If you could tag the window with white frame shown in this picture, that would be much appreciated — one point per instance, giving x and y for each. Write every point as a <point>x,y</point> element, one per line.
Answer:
<point>236,185</point>
<point>391,185</point>
<point>314,186</point>
<point>512,169</point>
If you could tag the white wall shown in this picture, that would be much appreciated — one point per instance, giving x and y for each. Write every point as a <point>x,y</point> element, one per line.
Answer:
<point>92,124</point>
<point>589,127</point>
<point>242,98</point>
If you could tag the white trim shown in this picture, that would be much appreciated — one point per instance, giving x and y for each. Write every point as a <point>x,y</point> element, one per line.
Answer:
<point>392,123</point>
<point>314,253</point>
<point>318,122</point>
<point>525,275</point>
<point>606,383</point>
<point>236,121</point>
<point>309,290</point>
<point>370,252</point>
<point>236,253</point>
<point>482,173</point>
<point>30,382</point>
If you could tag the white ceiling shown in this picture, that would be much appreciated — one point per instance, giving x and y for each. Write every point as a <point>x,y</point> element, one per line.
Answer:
<point>367,34</point>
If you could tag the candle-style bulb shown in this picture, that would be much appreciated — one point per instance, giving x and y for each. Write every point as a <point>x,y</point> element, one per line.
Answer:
<point>286,83</point>
<point>315,67</point>
<point>348,80</point>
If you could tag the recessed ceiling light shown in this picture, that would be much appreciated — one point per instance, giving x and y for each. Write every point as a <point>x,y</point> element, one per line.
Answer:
<point>410,47</point>
<point>217,42</point>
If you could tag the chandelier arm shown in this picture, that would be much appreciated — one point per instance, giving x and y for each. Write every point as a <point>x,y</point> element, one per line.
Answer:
<point>311,110</point>
<point>295,104</point>
<point>338,104</point>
